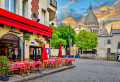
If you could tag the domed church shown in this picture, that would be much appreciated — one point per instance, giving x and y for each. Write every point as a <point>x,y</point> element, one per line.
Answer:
<point>91,21</point>
<point>103,31</point>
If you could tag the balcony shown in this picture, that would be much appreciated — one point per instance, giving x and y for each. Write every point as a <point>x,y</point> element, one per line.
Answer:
<point>53,3</point>
<point>52,7</point>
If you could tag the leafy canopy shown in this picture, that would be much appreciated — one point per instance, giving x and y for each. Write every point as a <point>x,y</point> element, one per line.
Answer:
<point>56,40</point>
<point>61,35</point>
<point>64,30</point>
<point>86,40</point>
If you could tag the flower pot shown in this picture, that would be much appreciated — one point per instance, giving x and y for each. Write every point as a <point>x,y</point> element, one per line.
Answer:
<point>4,78</point>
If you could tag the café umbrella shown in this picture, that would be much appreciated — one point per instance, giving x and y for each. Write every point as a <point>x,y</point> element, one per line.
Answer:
<point>44,53</point>
<point>60,51</point>
<point>44,56</point>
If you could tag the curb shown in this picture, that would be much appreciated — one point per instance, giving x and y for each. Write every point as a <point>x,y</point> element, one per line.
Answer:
<point>48,73</point>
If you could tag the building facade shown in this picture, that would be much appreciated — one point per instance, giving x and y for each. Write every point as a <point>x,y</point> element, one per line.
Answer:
<point>108,42</point>
<point>24,27</point>
<point>54,22</point>
<point>91,21</point>
<point>80,26</point>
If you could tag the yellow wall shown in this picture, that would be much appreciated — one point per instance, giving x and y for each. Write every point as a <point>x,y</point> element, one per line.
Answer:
<point>6,30</point>
<point>27,43</point>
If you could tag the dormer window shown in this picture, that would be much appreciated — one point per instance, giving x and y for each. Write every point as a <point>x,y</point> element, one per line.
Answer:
<point>79,27</point>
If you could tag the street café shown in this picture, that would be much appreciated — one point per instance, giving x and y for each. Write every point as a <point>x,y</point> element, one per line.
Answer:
<point>22,39</point>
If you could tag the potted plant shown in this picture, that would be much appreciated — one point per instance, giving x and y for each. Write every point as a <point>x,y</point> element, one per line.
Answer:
<point>5,64</point>
<point>27,36</point>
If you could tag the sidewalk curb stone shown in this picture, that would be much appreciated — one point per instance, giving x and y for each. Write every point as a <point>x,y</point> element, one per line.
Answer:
<point>48,73</point>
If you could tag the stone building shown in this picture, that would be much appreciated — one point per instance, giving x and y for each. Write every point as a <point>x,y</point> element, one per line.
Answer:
<point>80,26</point>
<point>108,42</point>
<point>54,22</point>
<point>24,27</point>
<point>91,21</point>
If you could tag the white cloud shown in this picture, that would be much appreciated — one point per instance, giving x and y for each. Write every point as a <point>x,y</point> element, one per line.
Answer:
<point>68,4</point>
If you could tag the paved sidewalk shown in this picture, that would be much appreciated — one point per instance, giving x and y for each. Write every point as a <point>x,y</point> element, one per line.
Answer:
<point>36,74</point>
<point>86,70</point>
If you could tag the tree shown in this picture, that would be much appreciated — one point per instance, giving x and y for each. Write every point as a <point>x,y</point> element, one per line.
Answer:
<point>64,30</point>
<point>86,40</point>
<point>56,40</point>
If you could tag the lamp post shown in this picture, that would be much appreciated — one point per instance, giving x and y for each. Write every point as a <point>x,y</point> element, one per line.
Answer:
<point>69,41</point>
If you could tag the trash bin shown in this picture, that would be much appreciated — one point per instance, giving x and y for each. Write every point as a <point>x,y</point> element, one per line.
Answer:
<point>118,59</point>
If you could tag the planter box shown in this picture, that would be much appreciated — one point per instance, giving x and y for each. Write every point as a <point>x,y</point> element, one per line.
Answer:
<point>4,78</point>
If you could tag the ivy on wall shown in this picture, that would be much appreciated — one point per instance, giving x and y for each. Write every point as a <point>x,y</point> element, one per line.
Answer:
<point>27,36</point>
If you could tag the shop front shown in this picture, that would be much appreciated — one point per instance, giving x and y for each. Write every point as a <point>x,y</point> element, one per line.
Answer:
<point>13,42</point>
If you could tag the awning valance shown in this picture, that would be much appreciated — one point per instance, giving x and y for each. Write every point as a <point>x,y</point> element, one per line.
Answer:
<point>20,22</point>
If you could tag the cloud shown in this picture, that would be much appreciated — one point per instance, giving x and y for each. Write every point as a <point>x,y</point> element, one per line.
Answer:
<point>110,13</point>
<point>69,3</point>
<point>68,20</point>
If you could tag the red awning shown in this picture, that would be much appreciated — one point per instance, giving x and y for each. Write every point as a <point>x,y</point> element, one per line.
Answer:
<point>20,22</point>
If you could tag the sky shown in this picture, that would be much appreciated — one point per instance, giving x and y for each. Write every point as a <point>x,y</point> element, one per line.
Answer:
<point>74,11</point>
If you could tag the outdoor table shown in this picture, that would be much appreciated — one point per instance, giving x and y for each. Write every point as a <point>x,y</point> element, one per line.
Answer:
<point>38,63</point>
<point>51,61</point>
<point>32,64</point>
<point>19,65</point>
<point>12,67</point>
<point>69,59</point>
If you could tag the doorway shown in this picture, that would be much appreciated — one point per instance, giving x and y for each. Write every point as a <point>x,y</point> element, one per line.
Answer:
<point>12,47</point>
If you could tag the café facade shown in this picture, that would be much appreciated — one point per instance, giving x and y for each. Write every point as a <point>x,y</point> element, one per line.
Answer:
<point>22,39</point>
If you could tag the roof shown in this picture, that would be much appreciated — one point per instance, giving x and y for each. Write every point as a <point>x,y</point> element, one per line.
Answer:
<point>79,24</point>
<point>91,18</point>
<point>20,22</point>
<point>103,31</point>
<point>115,31</point>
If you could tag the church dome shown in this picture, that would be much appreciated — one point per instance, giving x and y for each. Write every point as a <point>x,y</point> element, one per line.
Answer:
<point>90,18</point>
<point>103,31</point>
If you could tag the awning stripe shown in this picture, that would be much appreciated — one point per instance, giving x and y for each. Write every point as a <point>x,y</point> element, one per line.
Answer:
<point>24,27</point>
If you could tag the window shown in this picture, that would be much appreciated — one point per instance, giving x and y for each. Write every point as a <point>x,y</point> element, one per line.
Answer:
<point>10,5</point>
<point>53,24</point>
<point>7,5</point>
<point>34,15</point>
<point>24,8</point>
<point>13,6</point>
<point>118,45</point>
<point>108,41</point>
<point>47,50</point>
<point>79,27</point>
<point>109,50</point>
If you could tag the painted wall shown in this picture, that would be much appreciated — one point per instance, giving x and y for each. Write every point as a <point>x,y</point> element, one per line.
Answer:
<point>4,30</point>
<point>54,52</point>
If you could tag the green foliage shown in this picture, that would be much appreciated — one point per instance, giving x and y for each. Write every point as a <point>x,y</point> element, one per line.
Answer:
<point>39,60</point>
<point>64,30</point>
<point>27,36</point>
<point>56,40</point>
<point>5,64</point>
<point>86,40</point>
<point>61,35</point>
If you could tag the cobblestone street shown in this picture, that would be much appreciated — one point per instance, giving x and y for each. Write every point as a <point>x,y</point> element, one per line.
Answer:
<point>86,71</point>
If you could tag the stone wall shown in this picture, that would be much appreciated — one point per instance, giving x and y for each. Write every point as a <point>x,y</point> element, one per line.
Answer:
<point>54,52</point>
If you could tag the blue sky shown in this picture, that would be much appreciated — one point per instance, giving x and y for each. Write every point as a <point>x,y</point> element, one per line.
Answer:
<point>76,10</point>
